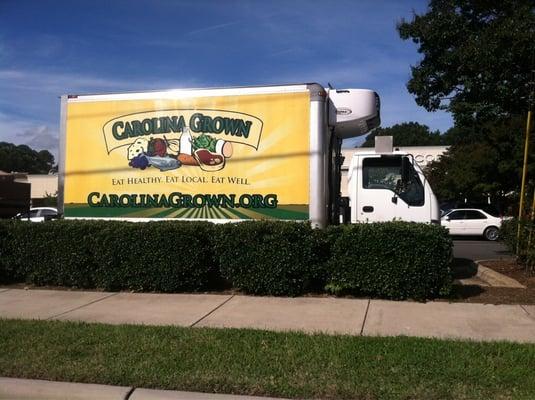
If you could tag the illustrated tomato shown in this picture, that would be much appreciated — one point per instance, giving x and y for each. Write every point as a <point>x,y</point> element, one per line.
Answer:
<point>160,147</point>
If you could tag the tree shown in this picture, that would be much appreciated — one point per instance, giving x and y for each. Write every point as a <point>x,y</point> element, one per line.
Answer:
<point>478,57</point>
<point>487,166</point>
<point>406,134</point>
<point>23,159</point>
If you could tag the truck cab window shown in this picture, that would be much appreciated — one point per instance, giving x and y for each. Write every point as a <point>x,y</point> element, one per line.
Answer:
<point>385,173</point>
<point>381,172</point>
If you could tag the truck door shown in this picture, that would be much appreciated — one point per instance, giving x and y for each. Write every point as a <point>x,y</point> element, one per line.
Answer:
<point>384,196</point>
<point>380,176</point>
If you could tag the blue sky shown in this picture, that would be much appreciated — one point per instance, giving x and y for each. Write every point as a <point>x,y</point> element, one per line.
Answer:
<point>53,47</point>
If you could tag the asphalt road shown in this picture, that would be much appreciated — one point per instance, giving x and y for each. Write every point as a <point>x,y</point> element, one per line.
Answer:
<point>478,249</point>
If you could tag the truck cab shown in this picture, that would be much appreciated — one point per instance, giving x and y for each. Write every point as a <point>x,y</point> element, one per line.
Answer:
<point>386,186</point>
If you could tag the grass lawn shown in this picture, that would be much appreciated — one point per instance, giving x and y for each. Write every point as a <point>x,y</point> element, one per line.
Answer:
<point>266,363</point>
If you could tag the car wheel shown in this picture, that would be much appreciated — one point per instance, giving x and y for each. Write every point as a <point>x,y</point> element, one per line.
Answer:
<point>491,233</point>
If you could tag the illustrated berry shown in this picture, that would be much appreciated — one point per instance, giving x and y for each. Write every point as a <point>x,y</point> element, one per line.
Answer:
<point>139,161</point>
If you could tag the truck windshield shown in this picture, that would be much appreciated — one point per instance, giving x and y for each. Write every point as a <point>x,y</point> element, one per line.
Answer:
<point>385,173</point>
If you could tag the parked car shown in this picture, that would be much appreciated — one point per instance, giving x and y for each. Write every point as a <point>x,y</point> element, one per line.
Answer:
<point>471,221</point>
<point>38,214</point>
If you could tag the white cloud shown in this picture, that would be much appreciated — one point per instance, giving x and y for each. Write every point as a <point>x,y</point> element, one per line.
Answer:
<point>41,137</point>
<point>58,83</point>
<point>36,134</point>
<point>213,28</point>
<point>29,106</point>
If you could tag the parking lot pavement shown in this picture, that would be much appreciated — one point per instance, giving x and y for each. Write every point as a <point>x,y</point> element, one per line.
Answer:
<point>479,249</point>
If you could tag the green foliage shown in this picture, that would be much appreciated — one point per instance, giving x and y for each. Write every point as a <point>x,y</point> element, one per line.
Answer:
<point>262,363</point>
<point>156,256</point>
<point>477,62</point>
<point>50,200</point>
<point>270,257</point>
<point>52,254</point>
<point>508,231</point>
<point>477,56</point>
<point>6,274</point>
<point>257,362</point>
<point>484,160</point>
<point>407,134</point>
<point>23,159</point>
<point>524,246</point>
<point>391,260</point>
<point>161,256</point>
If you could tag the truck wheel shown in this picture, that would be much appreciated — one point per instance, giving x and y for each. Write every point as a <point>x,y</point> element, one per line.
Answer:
<point>491,233</point>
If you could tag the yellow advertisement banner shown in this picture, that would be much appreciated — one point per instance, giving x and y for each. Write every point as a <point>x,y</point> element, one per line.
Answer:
<point>217,157</point>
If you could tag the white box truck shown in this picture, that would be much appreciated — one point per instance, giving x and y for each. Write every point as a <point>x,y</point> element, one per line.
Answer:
<point>385,185</point>
<point>226,154</point>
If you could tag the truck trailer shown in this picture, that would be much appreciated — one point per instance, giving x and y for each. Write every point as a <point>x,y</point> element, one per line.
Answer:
<point>227,154</point>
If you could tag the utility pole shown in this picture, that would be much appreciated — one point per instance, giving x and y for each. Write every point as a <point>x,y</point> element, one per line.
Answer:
<point>525,165</point>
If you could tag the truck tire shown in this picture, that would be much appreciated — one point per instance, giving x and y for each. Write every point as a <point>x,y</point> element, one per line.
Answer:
<point>491,233</point>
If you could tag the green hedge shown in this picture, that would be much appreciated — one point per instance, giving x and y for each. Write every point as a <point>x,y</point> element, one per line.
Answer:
<point>6,275</point>
<point>389,260</point>
<point>156,256</point>
<point>270,257</point>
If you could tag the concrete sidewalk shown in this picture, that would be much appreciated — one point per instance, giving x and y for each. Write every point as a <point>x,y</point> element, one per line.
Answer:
<point>26,389</point>
<point>323,314</point>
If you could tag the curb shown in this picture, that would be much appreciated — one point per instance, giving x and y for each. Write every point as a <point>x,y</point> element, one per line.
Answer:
<point>34,389</point>
<point>495,279</point>
<point>26,389</point>
<point>151,394</point>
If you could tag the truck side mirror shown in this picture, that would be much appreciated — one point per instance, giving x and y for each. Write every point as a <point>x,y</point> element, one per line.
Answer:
<point>405,170</point>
